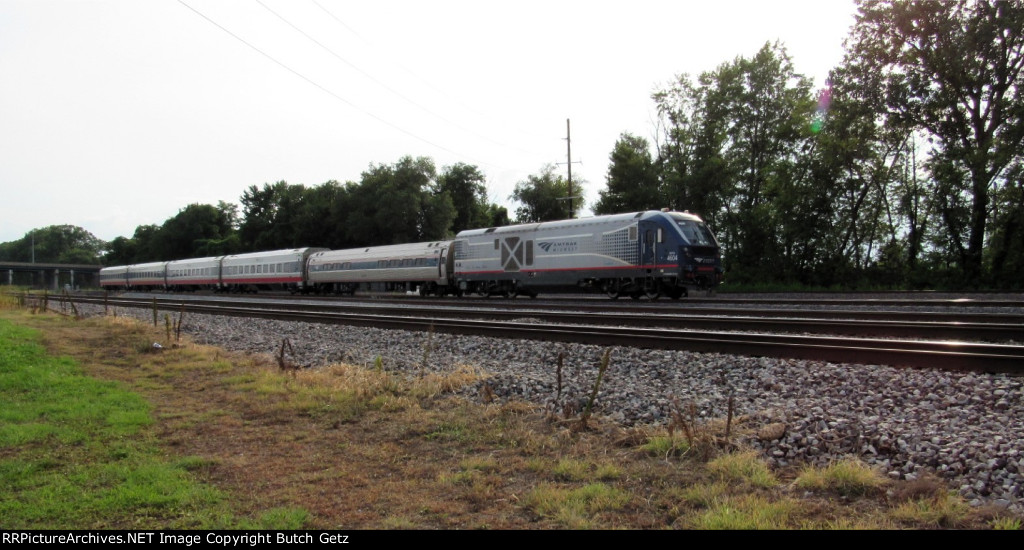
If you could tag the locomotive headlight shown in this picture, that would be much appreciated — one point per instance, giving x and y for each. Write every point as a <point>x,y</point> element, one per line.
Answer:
<point>687,252</point>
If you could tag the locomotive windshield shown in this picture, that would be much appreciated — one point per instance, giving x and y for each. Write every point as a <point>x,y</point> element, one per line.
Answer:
<point>697,233</point>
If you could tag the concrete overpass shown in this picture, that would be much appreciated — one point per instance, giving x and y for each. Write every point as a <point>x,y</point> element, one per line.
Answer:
<point>51,276</point>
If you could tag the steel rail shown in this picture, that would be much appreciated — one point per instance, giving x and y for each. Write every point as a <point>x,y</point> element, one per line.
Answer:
<point>1016,300</point>
<point>909,353</point>
<point>995,329</point>
<point>669,307</point>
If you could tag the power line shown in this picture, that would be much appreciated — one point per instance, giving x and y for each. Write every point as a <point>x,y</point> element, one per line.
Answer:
<point>435,88</point>
<point>329,92</point>
<point>382,84</point>
<point>347,62</point>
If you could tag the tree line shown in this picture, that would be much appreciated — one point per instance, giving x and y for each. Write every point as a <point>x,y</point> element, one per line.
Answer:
<point>904,170</point>
<point>407,201</point>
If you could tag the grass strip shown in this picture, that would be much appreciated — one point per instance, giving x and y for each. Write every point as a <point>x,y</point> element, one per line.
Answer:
<point>77,452</point>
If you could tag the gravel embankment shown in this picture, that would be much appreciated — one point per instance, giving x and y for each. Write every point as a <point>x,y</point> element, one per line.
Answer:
<point>966,428</point>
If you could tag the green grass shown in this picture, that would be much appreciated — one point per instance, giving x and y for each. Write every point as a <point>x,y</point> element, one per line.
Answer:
<point>848,478</point>
<point>77,453</point>
<point>665,446</point>
<point>744,467</point>
<point>81,453</point>
<point>576,508</point>
<point>746,513</point>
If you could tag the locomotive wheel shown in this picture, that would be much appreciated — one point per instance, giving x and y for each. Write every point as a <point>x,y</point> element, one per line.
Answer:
<point>613,289</point>
<point>651,290</point>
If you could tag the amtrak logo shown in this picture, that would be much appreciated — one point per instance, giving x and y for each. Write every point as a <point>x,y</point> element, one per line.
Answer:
<point>558,246</point>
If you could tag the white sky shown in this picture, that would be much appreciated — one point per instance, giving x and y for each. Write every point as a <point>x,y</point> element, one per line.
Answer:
<point>118,113</point>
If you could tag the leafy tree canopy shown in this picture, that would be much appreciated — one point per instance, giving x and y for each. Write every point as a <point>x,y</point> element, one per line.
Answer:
<point>544,197</point>
<point>60,244</point>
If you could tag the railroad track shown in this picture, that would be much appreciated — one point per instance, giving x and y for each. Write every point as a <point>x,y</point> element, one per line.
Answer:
<point>648,330</point>
<point>977,327</point>
<point>939,305</point>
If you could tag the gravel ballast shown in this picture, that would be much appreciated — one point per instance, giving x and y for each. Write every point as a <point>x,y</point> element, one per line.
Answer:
<point>966,428</point>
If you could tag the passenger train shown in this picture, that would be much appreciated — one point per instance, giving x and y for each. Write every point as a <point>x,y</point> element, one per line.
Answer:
<point>650,254</point>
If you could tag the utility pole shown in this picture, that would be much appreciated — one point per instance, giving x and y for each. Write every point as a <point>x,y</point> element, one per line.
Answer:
<point>568,158</point>
<point>568,155</point>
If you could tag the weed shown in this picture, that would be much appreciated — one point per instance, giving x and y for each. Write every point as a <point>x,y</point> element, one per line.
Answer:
<point>701,439</point>
<point>281,519</point>
<point>665,446</point>
<point>605,359</point>
<point>575,508</point>
<point>744,467</point>
<point>942,509</point>
<point>287,365</point>
<point>1006,524</point>
<point>427,348</point>
<point>847,478</point>
<point>704,495</point>
<point>482,464</point>
<point>571,470</point>
<point>747,512</point>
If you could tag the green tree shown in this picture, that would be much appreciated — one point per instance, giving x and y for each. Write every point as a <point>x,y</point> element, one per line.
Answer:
<point>62,244</point>
<point>734,153</point>
<point>120,251</point>
<point>196,230</point>
<point>632,182</point>
<point>544,197</point>
<point>953,70</point>
<point>695,176</point>
<point>466,186</point>
<point>313,223</point>
<point>147,247</point>
<point>1008,239</point>
<point>397,203</point>
<point>497,216</point>
<point>269,215</point>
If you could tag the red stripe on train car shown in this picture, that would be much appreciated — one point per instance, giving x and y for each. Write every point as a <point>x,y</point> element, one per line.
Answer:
<point>265,280</point>
<point>595,268</point>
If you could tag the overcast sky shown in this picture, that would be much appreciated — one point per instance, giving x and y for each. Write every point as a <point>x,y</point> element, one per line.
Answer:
<point>118,113</point>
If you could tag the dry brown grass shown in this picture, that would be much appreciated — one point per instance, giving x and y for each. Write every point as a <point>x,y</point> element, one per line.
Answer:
<point>359,447</point>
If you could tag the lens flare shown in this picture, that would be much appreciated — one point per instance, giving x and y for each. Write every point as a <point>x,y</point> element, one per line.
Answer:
<point>824,102</point>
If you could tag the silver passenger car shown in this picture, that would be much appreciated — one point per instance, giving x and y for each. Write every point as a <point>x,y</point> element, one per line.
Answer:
<point>424,267</point>
<point>271,270</point>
